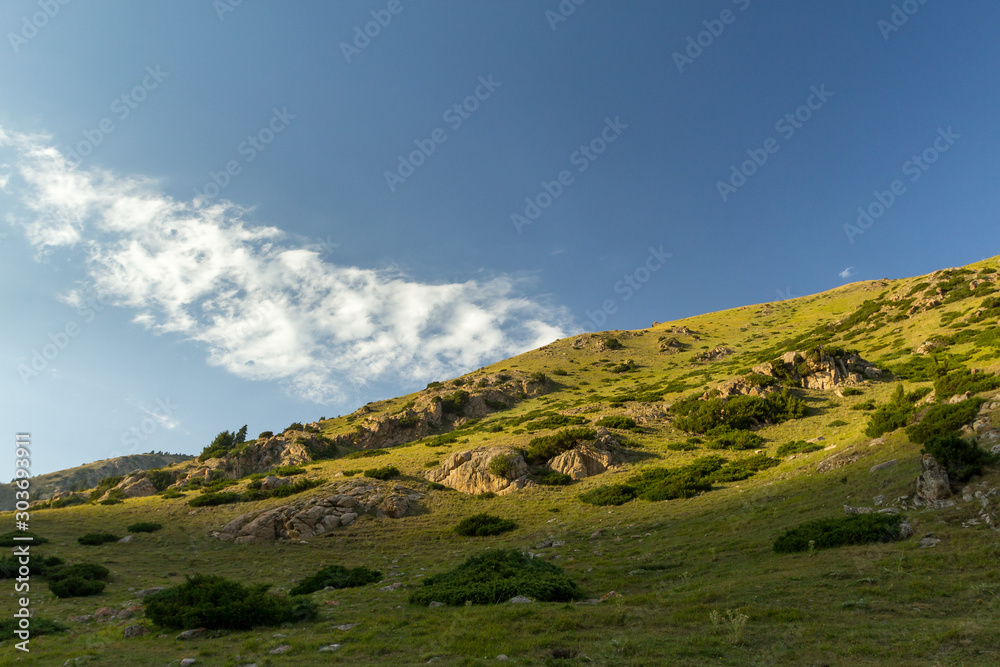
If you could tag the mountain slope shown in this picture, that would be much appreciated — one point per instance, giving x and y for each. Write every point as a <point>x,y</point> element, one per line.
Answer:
<point>695,579</point>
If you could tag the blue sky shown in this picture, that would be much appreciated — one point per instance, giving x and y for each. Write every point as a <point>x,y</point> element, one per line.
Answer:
<point>219,213</point>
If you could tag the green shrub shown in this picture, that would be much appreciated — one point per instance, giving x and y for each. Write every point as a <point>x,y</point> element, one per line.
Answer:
<point>294,426</point>
<point>483,525</point>
<point>38,565</point>
<point>744,468</point>
<point>657,484</point>
<point>890,416</point>
<point>410,421</point>
<point>384,473</point>
<point>161,478</point>
<point>616,421</point>
<point>76,587</point>
<point>504,465</point>
<point>144,527</point>
<point>433,463</point>
<point>548,446</point>
<point>613,344</point>
<point>217,485</point>
<point>851,391</point>
<point>836,423</point>
<point>864,405</point>
<point>486,495</point>
<point>288,471</point>
<point>436,486</point>
<point>264,435</point>
<point>216,603</point>
<point>39,626</point>
<point>736,440</point>
<point>105,485</point>
<point>538,376</point>
<point>827,533</point>
<point>172,493</point>
<point>367,453</point>
<point>96,539</point>
<point>611,494</point>
<point>223,443</point>
<point>739,412</point>
<point>336,576</point>
<point>553,478</point>
<point>798,447</point>
<point>556,421</point>
<point>944,419</point>
<point>682,446</point>
<point>495,577</point>
<point>82,570</point>
<point>291,489</point>
<point>960,456</point>
<point>213,499</point>
<point>454,404</point>
<point>68,501</point>
<point>962,380</point>
<point>352,473</point>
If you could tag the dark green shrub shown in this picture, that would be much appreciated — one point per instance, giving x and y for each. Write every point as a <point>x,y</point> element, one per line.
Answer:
<point>288,471</point>
<point>217,485</point>
<point>410,421</point>
<point>657,484</point>
<point>611,494</point>
<point>264,435</point>
<point>172,493</point>
<point>798,447</point>
<point>486,495</point>
<point>548,446</point>
<point>560,372</point>
<point>960,456</point>
<point>384,473</point>
<point>434,385</point>
<point>736,440</point>
<point>104,485</point>
<point>943,419</point>
<point>436,486</point>
<point>556,421</point>
<point>39,626</point>
<point>68,501</point>
<point>613,344</point>
<point>483,525</point>
<point>440,440</point>
<point>213,499</point>
<point>367,453</point>
<point>336,576</point>
<point>161,479</point>
<point>851,391</point>
<point>291,489</point>
<point>891,416</point>
<point>745,468</point>
<point>82,570</point>
<point>827,533</point>
<point>864,405</point>
<point>454,404</point>
<point>352,473</point>
<point>144,527</point>
<point>223,443</point>
<point>38,565</point>
<point>504,465</point>
<point>255,484</point>
<point>495,577</point>
<point>616,421</point>
<point>75,587</point>
<point>433,463</point>
<point>836,423</point>
<point>553,478</point>
<point>216,603</point>
<point>738,412</point>
<point>294,426</point>
<point>682,447</point>
<point>962,380</point>
<point>538,376</point>
<point>96,539</point>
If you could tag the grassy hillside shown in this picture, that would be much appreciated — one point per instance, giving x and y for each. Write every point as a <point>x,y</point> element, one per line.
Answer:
<point>685,582</point>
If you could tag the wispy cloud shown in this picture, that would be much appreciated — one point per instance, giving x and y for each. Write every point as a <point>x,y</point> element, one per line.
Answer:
<point>847,273</point>
<point>264,308</point>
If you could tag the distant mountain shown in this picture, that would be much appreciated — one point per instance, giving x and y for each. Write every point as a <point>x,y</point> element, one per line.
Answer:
<point>87,476</point>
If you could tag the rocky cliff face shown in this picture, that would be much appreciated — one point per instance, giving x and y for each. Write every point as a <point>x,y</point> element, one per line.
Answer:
<point>45,487</point>
<point>820,369</point>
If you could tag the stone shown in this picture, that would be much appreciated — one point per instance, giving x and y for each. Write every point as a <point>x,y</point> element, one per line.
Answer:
<point>879,499</point>
<point>329,648</point>
<point>584,461</point>
<point>434,605</point>
<point>81,619</point>
<point>848,510</point>
<point>883,466</point>
<point>131,631</point>
<point>149,591</point>
<point>279,650</point>
<point>905,530</point>
<point>611,595</point>
<point>104,613</point>
<point>125,540</point>
<point>192,634</point>
<point>995,450</point>
<point>929,540</point>
<point>129,612</point>
<point>345,626</point>
<point>933,483</point>
<point>188,661</point>
<point>520,599</point>
<point>469,471</point>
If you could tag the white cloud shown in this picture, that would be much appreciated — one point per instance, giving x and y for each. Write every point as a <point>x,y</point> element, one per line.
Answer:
<point>847,273</point>
<point>263,308</point>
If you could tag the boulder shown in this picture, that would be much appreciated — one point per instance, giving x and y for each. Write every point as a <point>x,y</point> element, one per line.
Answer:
<point>584,461</point>
<point>933,483</point>
<point>469,471</point>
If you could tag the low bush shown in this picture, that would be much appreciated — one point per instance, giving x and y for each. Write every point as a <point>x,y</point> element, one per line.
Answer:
<point>798,447</point>
<point>963,380</point>
<point>555,421</point>
<point>851,391</point>
<point>836,423</point>
<point>352,473</point>
<point>290,489</point>
<point>96,539</point>
<point>617,421</point>
<point>39,626</point>
<point>612,344</point>
<point>367,453</point>
<point>864,405</point>
<point>144,527</point>
<point>288,471</point>
<point>161,479</point>
<point>549,446</point>
<point>739,412</point>
<point>264,435</point>
<point>172,493</point>
<point>454,403</point>
<point>336,576</point>
<point>840,531</point>
<point>486,495</point>
<point>682,446</point>
<point>553,478</point>
<point>890,416</point>
<point>736,440</point>
<point>961,457</point>
<point>217,485</point>
<point>503,465</point>
<point>657,484</point>
<point>495,577</point>
<point>105,485</point>
<point>611,494</point>
<point>7,539</point>
<point>37,565</point>
<point>215,603</point>
<point>77,580</point>
<point>745,468</point>
<point>433,463</point>
<point>213,499</point>
<point>944,419</point>
<point>441,440</point>
<point>437,486</point>
<point>294,426</point>
<point>223,443</point>
<point>384,473</point>
<point>483,525</point>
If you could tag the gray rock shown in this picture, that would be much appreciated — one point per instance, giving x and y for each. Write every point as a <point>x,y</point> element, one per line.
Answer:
<point>520,599</point>
<point>933,483</point>
<point>345,626</point>
<point>134,631</point>
<point>848,510</point>
<point>929,540</point>
<point>188,661</point>
<point>905,530</point>
<point>125,540</point>
<point>192,634</point>
<point>433,605</point>
<point>329,648</point>
<point>278,650</point>
<point>149,591</point>
<point>883,465</point>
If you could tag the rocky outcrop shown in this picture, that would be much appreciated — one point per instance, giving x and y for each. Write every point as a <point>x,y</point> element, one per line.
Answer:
<point>469,471</point>
<point>820,369</point>
<point>585,461</point>
<point>933,483</point>
<point>321,515</point>
<point>743,386</point>
<point>717,352</point>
